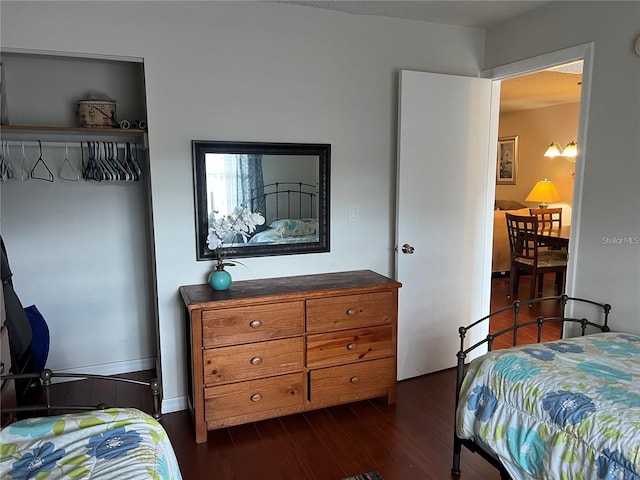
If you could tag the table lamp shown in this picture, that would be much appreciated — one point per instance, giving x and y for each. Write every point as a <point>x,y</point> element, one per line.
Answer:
<point>544,192</point>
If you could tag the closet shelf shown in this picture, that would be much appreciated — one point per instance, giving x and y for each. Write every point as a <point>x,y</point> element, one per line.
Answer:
<point>60,134</point>
<point>81,130</point>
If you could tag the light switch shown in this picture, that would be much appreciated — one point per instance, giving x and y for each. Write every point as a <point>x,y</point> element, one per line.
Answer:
<point>353,213</point>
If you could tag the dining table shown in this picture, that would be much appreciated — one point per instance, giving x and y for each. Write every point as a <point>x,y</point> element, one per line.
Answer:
<point>555,237</point>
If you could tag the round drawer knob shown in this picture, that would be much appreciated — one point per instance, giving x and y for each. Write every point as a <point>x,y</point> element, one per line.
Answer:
<point>354,379</point>
<point>256,397</point>
<point>256,360</point>
<point>351,312</point>
<point>351,346</point>
<point>255,323</point>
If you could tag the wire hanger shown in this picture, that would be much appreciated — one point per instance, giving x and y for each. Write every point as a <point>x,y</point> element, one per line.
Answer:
<point>6,168</point>
<point>132,161</point>
<point>67,170</point>
<point>24,171</point>
<point>109,173</point>
<point>48,176</point>
<point>94,171</point>
<point>128,175</point>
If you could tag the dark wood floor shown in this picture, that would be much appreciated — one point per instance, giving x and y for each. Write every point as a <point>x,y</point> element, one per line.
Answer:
<point>411,439</point>
<point>529,334</point>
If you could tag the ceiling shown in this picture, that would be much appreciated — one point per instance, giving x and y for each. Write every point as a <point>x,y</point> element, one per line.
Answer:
<point>478,13</point>
<point>541,89</point>
<point>536,90</point>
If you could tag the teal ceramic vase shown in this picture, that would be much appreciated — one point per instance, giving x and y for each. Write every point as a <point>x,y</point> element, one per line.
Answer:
<point>220,279</point>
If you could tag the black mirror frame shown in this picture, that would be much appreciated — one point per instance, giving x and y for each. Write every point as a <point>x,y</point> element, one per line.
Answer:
<point>201,147</point>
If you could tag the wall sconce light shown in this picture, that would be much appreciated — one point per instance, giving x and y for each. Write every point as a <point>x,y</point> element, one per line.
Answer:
<point>543,193</point>
<point>554,150</point>
<point>569,152</point>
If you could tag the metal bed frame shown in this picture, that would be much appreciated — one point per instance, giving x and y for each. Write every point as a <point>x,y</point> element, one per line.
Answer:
<point>603,308</point>
<point>297,197</point>
<point>45,377</point>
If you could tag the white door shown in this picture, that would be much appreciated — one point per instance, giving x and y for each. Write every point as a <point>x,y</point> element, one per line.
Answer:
<point>447,139</point>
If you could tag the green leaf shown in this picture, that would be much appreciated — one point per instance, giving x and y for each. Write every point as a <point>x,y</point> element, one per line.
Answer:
<point>8,449</point>
<point>543,431</point>
<point>58,427</point>
<point>154,475</point>
<point>79,473</point>
<point>91,422</point>
<point>610,432</point>
<point>123,423</point>
<point>569,456</point>
<point>75,460</point>
<point>585,426</point>
<point>156,436</point>
<point>558,439</point>
<point>151,421</point>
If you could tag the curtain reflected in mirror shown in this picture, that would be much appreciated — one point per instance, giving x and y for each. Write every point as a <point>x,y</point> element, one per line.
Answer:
<point>287,183</point>
<point>234,180</point>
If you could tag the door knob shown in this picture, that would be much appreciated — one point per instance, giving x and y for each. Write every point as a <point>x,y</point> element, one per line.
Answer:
<point>406,248</point>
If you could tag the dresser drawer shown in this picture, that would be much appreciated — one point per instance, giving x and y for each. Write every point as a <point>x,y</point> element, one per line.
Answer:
<point>228,326</point>
<point>254,396</point>
<point>347,383</point>
<point>349,311</point>
<point>344,346</point>
<point>244,362</point>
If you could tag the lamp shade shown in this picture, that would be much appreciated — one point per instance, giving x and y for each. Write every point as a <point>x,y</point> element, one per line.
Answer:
<point>570,151</point>
<point>554,150</point>
<point>544,192</point>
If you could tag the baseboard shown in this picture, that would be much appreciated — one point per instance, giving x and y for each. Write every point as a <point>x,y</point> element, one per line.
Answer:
<point>175,404</point>
<point>501,274</point>
<point>107,369</point>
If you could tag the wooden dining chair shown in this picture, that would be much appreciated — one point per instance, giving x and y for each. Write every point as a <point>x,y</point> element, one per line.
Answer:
<point>549,219</point>
<point>527,256</point>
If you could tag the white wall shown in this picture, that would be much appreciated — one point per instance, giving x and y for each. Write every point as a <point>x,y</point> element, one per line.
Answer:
<point>606,269</point>
<point>254,71</point>
<point>536,129</point>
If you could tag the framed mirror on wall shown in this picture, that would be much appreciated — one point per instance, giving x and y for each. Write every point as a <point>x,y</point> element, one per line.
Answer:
<point>288,183</point>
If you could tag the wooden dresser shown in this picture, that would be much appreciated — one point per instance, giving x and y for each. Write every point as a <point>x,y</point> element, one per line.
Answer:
<point>272,347</point>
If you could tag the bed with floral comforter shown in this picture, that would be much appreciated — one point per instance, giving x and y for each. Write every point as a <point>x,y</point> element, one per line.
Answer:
<point>116,443</point>
<point>561,410</point>
<point>302,230</point>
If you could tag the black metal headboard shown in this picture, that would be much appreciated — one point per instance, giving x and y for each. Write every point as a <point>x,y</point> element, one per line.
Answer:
<point>286,200</point>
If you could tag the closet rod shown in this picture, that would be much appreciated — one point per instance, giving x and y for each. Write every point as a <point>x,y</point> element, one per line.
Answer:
<point>30,143</point>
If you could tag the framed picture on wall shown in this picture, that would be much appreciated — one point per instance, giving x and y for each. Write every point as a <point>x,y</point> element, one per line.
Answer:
<point>507,167</point>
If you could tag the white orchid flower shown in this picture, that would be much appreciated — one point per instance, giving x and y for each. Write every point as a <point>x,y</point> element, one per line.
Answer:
<point>241,222</point>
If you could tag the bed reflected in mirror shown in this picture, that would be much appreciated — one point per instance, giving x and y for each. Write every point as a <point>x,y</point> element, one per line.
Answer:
<point>288,183</point>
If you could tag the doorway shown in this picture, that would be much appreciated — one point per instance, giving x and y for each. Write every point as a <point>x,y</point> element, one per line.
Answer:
<point>538,110</point>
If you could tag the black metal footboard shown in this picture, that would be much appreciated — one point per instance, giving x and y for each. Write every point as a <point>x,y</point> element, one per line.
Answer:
<point>564,301</point>
<point>45,380</point>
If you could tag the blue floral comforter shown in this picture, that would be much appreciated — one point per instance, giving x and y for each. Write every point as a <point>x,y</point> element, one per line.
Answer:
<point>561,410</point>
<point>103,444</point>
